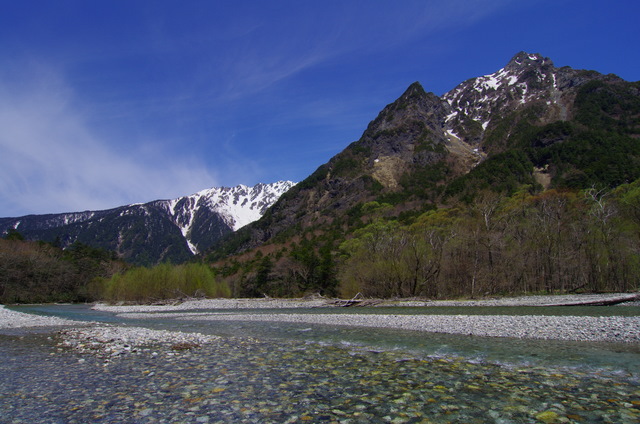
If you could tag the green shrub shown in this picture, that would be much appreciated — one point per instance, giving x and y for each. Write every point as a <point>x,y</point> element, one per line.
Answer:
<point>165,281</point>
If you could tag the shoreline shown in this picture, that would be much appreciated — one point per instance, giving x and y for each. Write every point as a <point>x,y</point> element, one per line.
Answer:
<point>108,339</point>
<point>11,319</point>
<point>276,303</point>
<point>610,329</point>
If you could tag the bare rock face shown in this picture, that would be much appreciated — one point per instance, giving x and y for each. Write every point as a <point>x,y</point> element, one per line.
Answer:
<point>408,129</point>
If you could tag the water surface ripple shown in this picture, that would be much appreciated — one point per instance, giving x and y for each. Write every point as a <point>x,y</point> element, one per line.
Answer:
<point>287,372</point>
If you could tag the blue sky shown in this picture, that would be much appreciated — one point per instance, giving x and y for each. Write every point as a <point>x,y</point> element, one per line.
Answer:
<point>105,103</point>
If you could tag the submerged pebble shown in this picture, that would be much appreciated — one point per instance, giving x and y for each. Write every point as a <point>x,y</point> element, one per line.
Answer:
<point>246,381</point>
<point>112,341</point>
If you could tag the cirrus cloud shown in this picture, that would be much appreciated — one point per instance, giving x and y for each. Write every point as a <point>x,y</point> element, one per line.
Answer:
<point>52,161</point>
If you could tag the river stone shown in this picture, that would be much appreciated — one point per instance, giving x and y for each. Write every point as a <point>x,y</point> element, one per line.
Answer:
<point>548,417</point>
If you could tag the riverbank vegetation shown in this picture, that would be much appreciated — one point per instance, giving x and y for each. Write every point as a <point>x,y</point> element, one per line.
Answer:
<point>37,272</point>
<point>163,282</point>
<point>555,241</point>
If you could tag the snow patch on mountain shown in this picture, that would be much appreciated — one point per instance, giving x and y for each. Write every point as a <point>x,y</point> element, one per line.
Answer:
<point>237,206</point>
<point>481,98</point>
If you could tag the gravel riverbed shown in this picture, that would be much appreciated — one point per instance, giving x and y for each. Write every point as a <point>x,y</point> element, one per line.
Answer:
<point>597,329</point>
<point>106,373</point>
<point>607,329</point>
<point>12,319</point>
<point>234,380</point>
<point>271,303</point>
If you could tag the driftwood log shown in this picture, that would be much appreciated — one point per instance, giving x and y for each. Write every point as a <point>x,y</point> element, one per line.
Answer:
<point>600,302</point>
<point>358,300</point>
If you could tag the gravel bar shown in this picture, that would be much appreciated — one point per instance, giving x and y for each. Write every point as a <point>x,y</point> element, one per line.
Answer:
<point>262,303</point>
<point>270,303</point>
<point>110,341</point>
<point>12,319</point>
<point>599,329</point>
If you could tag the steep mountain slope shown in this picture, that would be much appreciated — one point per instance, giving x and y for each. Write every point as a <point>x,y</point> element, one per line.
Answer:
<point>157,231</point>
<point>574,128</point>
<point>405,137</point>
<point>528,123</point>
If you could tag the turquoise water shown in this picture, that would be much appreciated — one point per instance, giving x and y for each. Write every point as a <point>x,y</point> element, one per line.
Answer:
<point>317,373</point>
<point>604,357</point>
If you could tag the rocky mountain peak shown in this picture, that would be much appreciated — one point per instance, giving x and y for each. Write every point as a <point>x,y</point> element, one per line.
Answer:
<point>414,89</point>
<point>527,78</point>
<point>524,60</point>
<point>415,113</point>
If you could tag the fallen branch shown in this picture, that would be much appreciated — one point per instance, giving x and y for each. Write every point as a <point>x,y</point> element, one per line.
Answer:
<point>601,302</point>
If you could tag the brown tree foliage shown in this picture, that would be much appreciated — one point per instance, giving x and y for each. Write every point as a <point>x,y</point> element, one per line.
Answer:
<point>555,241</point>
<point>35,272</point>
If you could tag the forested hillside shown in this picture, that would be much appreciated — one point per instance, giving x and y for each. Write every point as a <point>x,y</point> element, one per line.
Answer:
<point>547,242</point>
<point>524,180</point>
<point>36,272</point>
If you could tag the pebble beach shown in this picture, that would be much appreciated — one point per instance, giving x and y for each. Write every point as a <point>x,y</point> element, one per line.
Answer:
<point>271,303</point>
<point>75,372</point>
<point>12,319</point>
<point>598,329</point>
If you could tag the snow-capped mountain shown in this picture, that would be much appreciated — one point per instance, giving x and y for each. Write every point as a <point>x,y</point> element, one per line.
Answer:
<point>156,231</point>
<point>528,79</point>
<point>236,206</point>
<point>528,124</point>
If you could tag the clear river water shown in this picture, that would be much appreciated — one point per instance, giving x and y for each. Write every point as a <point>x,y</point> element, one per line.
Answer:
<point>275,372</point>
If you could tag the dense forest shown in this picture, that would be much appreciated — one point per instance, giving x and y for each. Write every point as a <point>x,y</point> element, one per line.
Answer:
<point>556,241</point>
<point>38,272</point>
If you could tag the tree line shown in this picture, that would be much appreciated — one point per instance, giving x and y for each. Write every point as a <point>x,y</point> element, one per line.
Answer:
<point>552,242</point>
<point>556,241</point>
<point>39,272</point>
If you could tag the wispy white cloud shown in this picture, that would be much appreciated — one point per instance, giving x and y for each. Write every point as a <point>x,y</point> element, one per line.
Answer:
<point>447,14</point>
<point>55,154</point>
<point>259,52</point>
<point>52,161</point>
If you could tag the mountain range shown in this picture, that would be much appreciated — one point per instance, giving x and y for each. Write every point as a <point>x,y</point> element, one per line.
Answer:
<point>529,124</point>
<point>162,230</point>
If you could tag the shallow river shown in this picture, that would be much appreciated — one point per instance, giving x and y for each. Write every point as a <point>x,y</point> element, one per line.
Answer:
<point>316,373</point>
